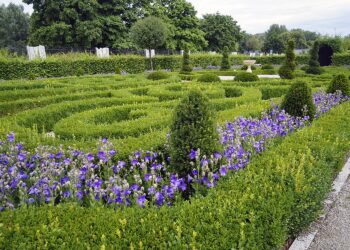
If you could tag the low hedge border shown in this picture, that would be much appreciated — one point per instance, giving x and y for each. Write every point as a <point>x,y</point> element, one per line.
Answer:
<point>276,196</point>
<point>55,67</point>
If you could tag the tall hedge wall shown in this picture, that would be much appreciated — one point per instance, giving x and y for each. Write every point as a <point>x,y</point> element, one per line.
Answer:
<point>56,67</point>
<point>276,196</point>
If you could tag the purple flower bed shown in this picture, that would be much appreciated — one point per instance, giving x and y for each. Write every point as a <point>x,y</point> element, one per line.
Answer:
<point>53,175</point>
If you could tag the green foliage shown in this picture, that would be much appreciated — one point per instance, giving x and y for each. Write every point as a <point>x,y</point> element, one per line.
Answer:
<point>193,127</point>
<point>267,66</point>
<point>225,63</point>
<point>14,25</point>
<point>287,69</point>
<point>341,59</point>
<point>339,82</point>
<point>298,101</point>
<point>246,77</point>
<point>314,66</point>
<point>187,77</point>
<point>251,42</point>
<point>268,93</point>
<point>220,31</point>
<point>268,69</point>
<point>158,75</point>
<point>186,65</point>
<point>118,71</point>
<point>233,92</point>
<point>274,39</point>
<point>296,176</point>
<point>209,77</point>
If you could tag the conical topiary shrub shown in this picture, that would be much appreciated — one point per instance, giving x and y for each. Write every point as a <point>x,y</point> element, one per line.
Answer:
<point>298,101</point>
<point>287,69</point>
<point>225,63</point>
<point>193,127</point>
<point>339,82</point>
<point>186,65</point>
<point>314,66</point>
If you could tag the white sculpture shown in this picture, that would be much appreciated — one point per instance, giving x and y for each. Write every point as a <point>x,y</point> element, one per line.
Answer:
<point>36,52</point>
<point>249,63</point>
<point>153,53</point>
<point>102,52</point>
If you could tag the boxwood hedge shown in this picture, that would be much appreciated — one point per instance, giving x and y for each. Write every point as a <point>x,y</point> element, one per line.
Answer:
<point>275,197</point>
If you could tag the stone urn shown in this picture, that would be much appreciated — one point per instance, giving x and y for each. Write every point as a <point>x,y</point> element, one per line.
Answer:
<point>249,63</point>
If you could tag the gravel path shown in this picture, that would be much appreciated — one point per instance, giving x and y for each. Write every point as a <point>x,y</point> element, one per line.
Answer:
<point>334,231</point>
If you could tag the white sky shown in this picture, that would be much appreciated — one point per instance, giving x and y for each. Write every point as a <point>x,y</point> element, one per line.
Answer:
<point>255,16</point>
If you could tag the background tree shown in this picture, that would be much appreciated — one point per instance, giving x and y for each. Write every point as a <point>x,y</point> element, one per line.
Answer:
<point>314,65</point>
<point>298,36</point>
<point>220,31</point>
<point>346,43</point>
<point>274,40</point>
<point>287,69</point>
<point>253,43</point>
<point>14,25</point>
<point>183,23</point>
<point>149,33</point>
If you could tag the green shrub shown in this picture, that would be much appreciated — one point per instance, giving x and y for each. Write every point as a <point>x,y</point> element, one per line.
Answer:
<point>118,71</point>
<point>299,101</point>
<point>246,77</point>
<point>267,66</point>
<point>79,72</point>
<point>233,92</point>
<point>268,72</point>
<point>187,77</point>
<point>339,82</point>
<point>225,63</point>
<point>272,92</point>
<point>32,76</point>
<point>193,128</point>
<point>314,66</point>
<point>209,77</point>
<point>157,75</point>
<point>287,69</point>
<point>186,65</point>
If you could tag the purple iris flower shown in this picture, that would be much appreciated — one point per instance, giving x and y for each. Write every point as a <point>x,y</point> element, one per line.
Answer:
<point>193,154</point>
<point>90,157</point>
<point>147,177</point>
<point>223,171</point>
<point>11,137</point>
<point>141,200</point>
<point>159,198</point>
<point>21,157</point>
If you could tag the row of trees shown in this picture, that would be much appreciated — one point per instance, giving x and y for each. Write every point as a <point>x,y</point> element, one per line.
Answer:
<point>107,23</point>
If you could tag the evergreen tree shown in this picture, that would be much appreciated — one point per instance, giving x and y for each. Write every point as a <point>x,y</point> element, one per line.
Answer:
<point>314,65</point>
<point>287,69</point>
<point>225,63</point>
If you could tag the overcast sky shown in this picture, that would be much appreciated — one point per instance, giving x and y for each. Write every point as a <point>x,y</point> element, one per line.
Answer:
<point>255,16</point>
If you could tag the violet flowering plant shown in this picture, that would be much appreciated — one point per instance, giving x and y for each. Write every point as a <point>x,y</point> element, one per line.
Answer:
<point>52,175</point>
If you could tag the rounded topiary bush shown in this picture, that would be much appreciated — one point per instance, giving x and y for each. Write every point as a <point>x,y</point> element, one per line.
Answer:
<point>209,77</point>
<point>193,127</point>
<point>186,65</point>
<point>339,82</point>
<point>157,75</point>
<point>225,63</point>
<point>299,101</point>
<point>314,67</point>
<point>246,77</point>
<point>286,71</point>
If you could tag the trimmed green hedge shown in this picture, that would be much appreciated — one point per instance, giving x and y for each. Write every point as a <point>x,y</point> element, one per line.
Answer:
<point>276,196</point>
<point>58,67</point>
<point>341,59</point>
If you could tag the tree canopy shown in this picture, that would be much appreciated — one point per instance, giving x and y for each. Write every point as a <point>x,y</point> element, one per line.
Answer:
<point>14,25</point>
<point>220,31</point>
<point>274,39</point>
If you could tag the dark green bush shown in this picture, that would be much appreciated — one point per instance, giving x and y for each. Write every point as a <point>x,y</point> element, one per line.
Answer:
<point>225,63</point>
<point>187,77</point>
<point>287,69</point>
<point>118,71</point>
<point>186,65</point>
<point>267,66</point>
<point>233,92</point>
<point>79,72</point>
<point>299,101</point>
<point>193,127</point>
<point>339,82</point>
<point>246,77</point>
<point>268,72</point>
<point>314,66</point>
<point>157,75</point>
<point>209,77</point>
